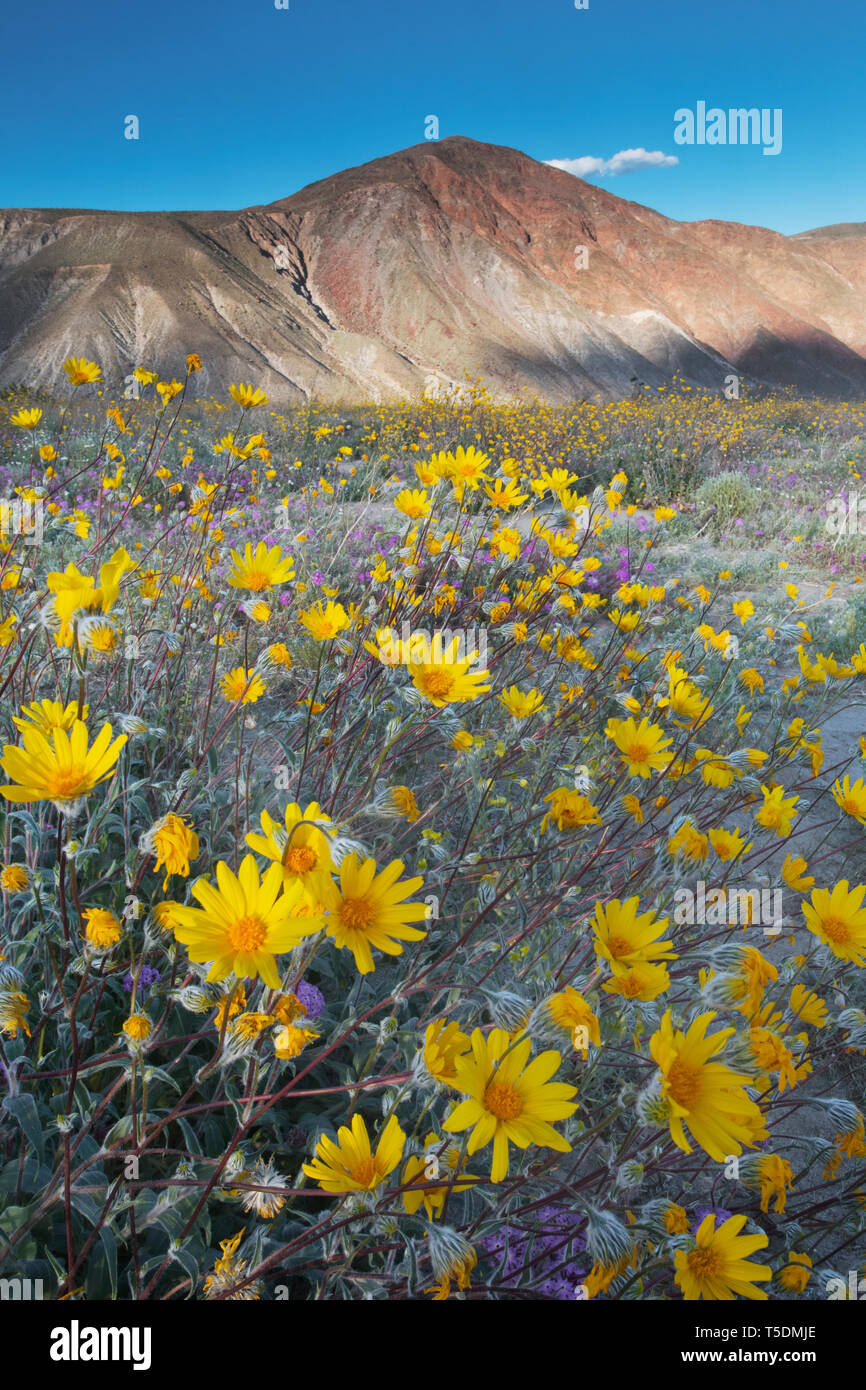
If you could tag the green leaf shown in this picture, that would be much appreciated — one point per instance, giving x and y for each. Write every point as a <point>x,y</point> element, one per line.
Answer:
<point>23,1108</point>
<point>59,1269</point>
<point>162,1075</point>
<point>83,1099</point>
<point>25,816</point>
<point>109,1246</point>
<point>84,1202</point>
<point>118,1130</point>
<point>187,1262</point>
<point>189,1135</point>
<point>13,1218</point>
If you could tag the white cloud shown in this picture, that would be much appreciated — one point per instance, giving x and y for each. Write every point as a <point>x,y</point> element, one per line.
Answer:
<point>624,162</point>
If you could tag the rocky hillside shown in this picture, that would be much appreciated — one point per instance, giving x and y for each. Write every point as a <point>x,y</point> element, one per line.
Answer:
<point>449,257</point>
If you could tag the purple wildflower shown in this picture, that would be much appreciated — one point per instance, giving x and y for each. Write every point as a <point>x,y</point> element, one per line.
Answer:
<point>312,998</point>
<point>147,976</point>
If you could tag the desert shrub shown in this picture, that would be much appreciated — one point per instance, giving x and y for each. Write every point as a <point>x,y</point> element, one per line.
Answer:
<point>732,498</point>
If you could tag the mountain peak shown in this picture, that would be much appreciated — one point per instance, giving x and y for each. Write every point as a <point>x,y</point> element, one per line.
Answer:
<point>448,256</point>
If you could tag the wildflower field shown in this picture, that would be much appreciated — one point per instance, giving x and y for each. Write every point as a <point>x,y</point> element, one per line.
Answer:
<point>433,846</point>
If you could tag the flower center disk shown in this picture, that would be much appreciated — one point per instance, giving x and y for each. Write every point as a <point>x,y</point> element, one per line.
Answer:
<point>437,683</point>
<point>64,782</point>
<point>684,1084</point>
<point>247,934</point>
<point>703,1263</point>
<point>366,1173</point>
<point>836,929</point>
<point>619,947</point>
<point>300,859</point>
<point>356,914</point>
<point>502,1101</point>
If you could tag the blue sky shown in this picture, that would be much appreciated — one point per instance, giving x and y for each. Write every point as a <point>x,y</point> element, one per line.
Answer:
<point>241,103</point>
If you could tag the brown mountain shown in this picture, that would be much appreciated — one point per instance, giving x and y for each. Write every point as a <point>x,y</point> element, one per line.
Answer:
<point>447,257</point>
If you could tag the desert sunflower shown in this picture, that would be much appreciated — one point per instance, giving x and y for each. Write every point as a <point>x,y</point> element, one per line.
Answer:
<point>775,1175</point>
<point>796,1274</point>
<point>46,715</point>
<point>422,1169</point>
<point>808,1007</point>
<point>401,801</point>
<point>350,1165</point>
<point>851,798</point>
<point>290,1041</point>
<point>102,928</point>
<point>243,923</point>
<point>62,769</point>
<point>444,1045</point>
<point>728,844</point>
<point>413,502</point>
<point>300,848</point>
<point>643,982</point>
<point>771,1054</point>
<point>99,638</point>
<point>793,872</point>
<point>242,685</point>
<point>717,1266</point>
<point>176,843</point>
<point>569,1010</point>
<point>163,915</point>
<point>14,878</point>
<point>26,419</point>
<point>624,938</point>
<point>80,371</point>
<point>463,467</point>
<point>260,569</point>
<point>706,1096</point>
<point>368,910</point>
<point>777,812</point>
<point>642,746</point>
<point>505,494</point>
<point>509,1100</point>
<point>138,1027</point>
<point>569,810</point>
<point>445,680</point>
<point>13,1008</point>
<point>229,1271</point>
<point>75,592</point>
<point>324,621</point>
<point>248,396</point>
<point>836,916</point>
<point>521,703</point>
